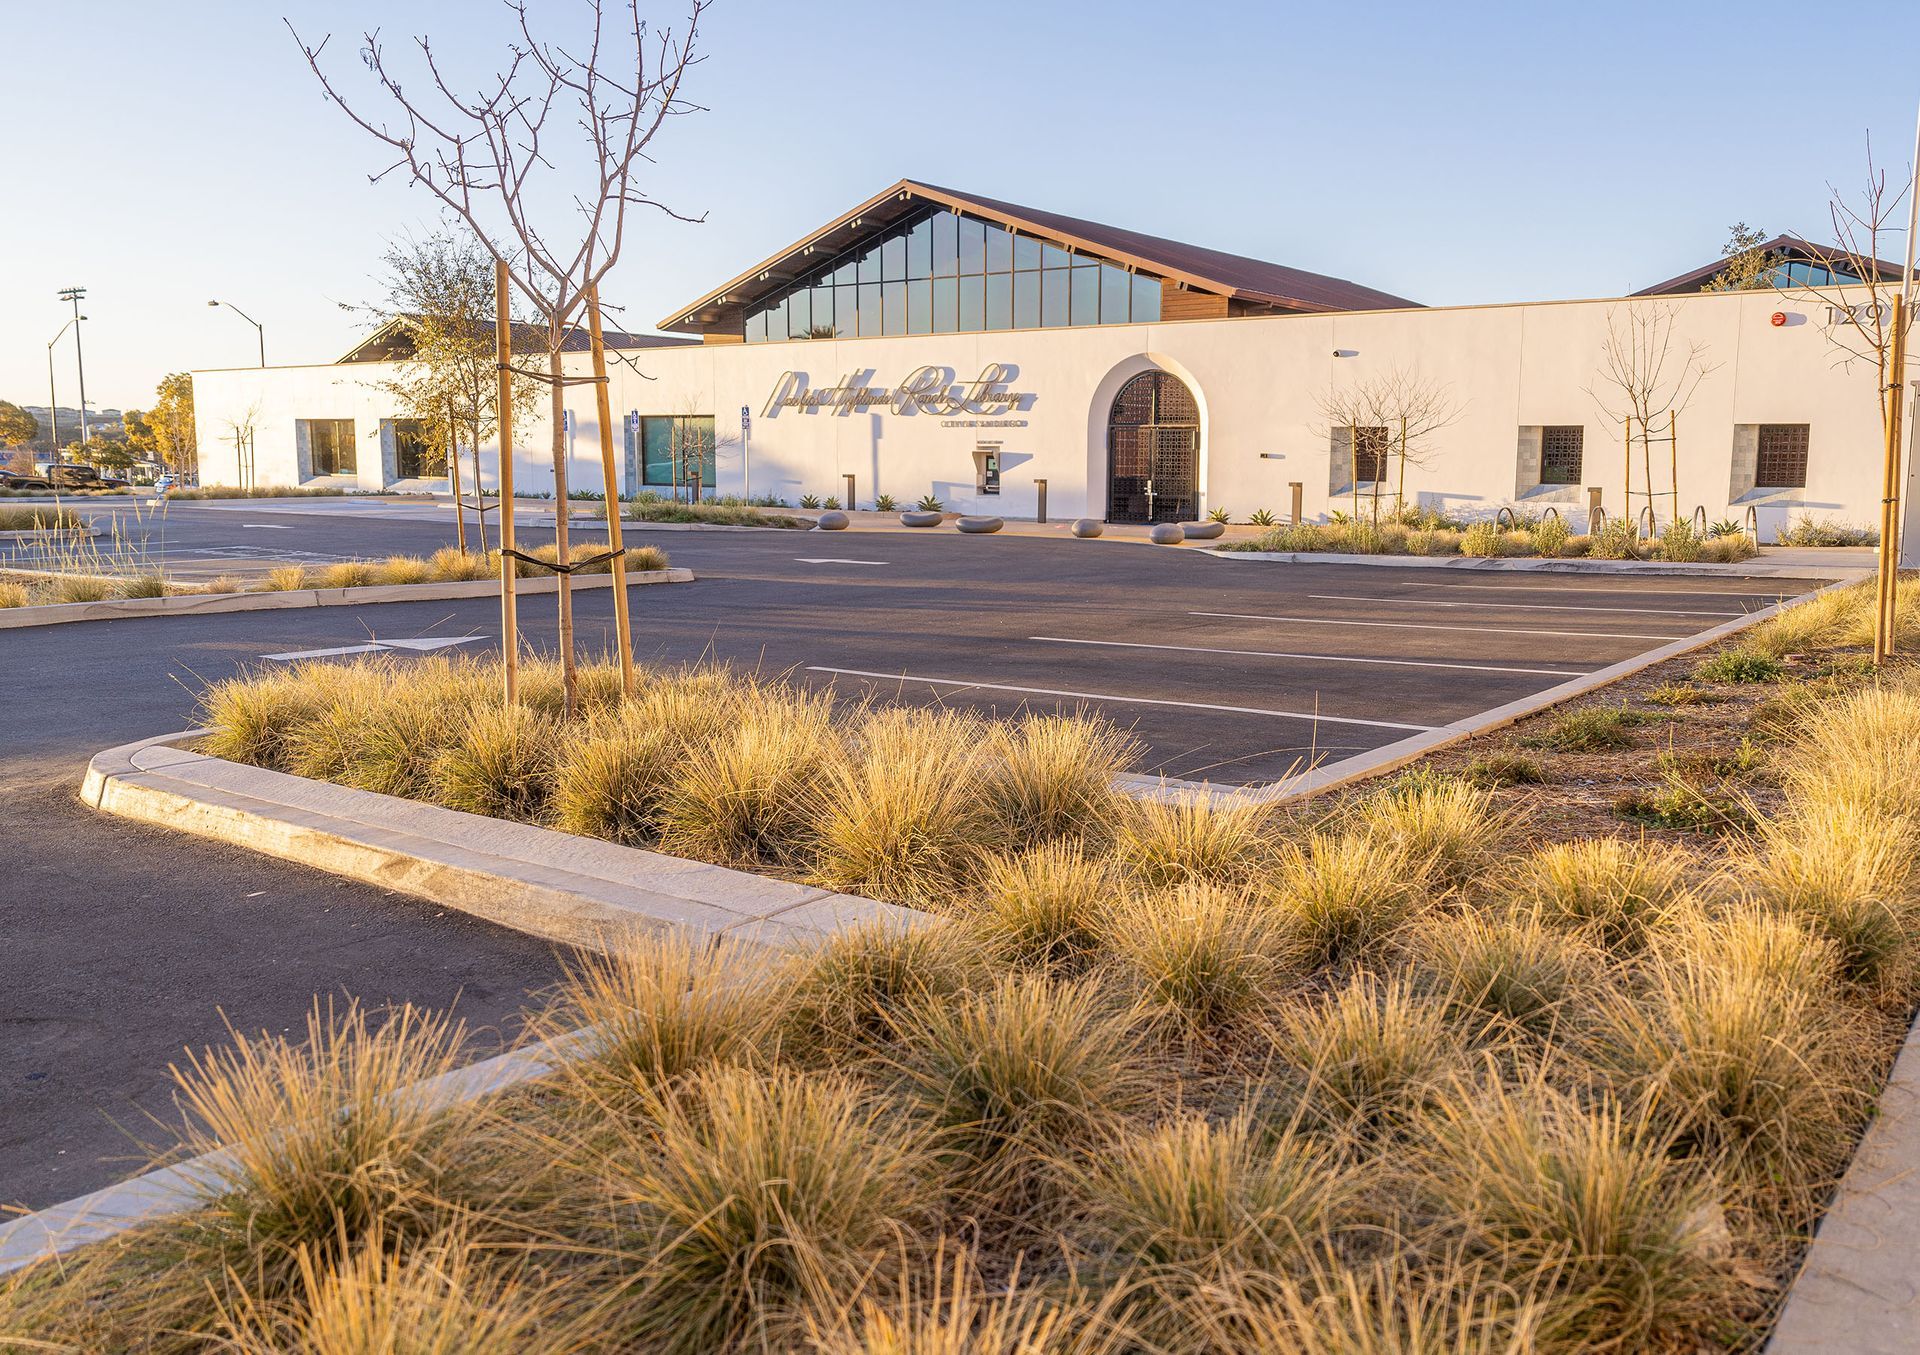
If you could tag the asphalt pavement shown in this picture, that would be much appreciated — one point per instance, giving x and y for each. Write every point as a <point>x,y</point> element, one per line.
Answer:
<point>126,944</point>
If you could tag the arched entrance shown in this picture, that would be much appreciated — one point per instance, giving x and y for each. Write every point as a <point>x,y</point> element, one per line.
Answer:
<point>1153,451</point>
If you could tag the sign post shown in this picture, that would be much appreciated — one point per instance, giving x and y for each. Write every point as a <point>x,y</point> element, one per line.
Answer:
<point>746,427</point>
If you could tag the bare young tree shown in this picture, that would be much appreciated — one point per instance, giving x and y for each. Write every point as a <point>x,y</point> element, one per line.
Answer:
<point>492,158</point>
<point>1647,374</point>
<point>1399,411</point>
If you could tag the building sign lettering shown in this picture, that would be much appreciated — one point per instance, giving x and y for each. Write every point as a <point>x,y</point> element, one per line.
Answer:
<point>926,390</point>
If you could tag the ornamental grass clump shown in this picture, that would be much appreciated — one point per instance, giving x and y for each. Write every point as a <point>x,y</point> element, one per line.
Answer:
<point>1506,966</point>
<point>1342,894</point>
<point>450,564</point>
<point>502,764</point>
<point>1052,776</point>
<point>844,999</point>
<point>1016,1078</point>
<point>747,1195</point>
<point>1590,1202</point>
<point>1444,825</point>
<point>252,718</point>
<point>609,776</point>
<point>1044,908</point>
<point>746,795</point>
<point>1208,957</point>
<point>1191,836</point>
<point>325,1139</point>
<point>1614,889</point>
<point>1371,1053</point>
<point>904,816</point>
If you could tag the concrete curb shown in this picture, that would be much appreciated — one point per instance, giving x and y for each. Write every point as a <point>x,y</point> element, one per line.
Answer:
<point>41,533</point>
<point>205,604</point>
<point>1746,569</point>
<point>577,891</point>
<point>1316,780</point>
<point>1857,1289</point>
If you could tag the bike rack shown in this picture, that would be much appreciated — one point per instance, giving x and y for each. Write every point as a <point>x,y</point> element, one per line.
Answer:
<point>1508,516</point>
<point>1551,512</point>
<point>1596,520</point>
<point>1700,521</point>
<point>1753,523</point>
<point>1644,524</point>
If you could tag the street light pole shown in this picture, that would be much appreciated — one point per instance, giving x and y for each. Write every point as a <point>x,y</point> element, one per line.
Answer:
<point>260,329</point>
<point>74,294</point>
<point>53,401</point>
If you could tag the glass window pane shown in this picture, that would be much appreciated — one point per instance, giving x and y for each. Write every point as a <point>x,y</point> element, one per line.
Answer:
<point>848,271</point>
<point>1116,290</point>
<point>777,319</point>
<point>799,315</point>
<point>920,306</point>
<point>656,451</point>
<point>1146,299</point>
<point>870,309</point>
<point>920,249</point>
<point>946,304</point>
<point>999,250</point>
<point>894,307</point>
<point>973,303</point>
<point>823,312</point>
<point>999,301</point>
<point>893,257</point>
<point>757,327</point>
<point>846,311</point>
<point>1026,252</point>
<point>1052,256</point>
<point>870,265</point>
<point>1026,300</point>
<point>1086,296</point>
<point>973,245</point>
<point>1053,296</point>
<point>946,246</point>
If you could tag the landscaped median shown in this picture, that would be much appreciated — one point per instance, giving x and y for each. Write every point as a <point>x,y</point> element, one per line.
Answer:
<point>1556,1042</point>
<point>48,598</point>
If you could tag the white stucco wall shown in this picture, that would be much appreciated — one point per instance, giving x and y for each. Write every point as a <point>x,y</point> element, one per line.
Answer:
<point>1260,384</point>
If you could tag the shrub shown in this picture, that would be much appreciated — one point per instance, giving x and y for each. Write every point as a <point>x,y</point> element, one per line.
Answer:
<point>755,1191</point>
<point>1506,965</point>
<point>1219,515</point>
<point>609,776</point>
<point>14,595</point>
<point>846,998</point>
<point>1551,536</point>
<point>1858,749</point>
<point>1015,1076</point>
<point>1738,665</point>
<point>1614,888</point>
<point>1208,957</point>
<point>40,518</point>
<point>151,585</point>
<point>904,816</point>
<point>1483,539</point>
<point>251,718</point>
<point>403,569</point>
<point>1342,893</point>
<point>80,588</point>
<point>809,500</point>
<point>830,502</point>
<point>1190,836</point>
<point>1503,768</point>
<point>1614,541</point>
<point>347,574</point>
<point>502,764</point>
<point>884,503</point>
<point>451,564</point>
<point>1590,730</point>
<point>1808,530</point>
<point>1043,908</point>
<point>1679,543</point>
<point>1052,776</point>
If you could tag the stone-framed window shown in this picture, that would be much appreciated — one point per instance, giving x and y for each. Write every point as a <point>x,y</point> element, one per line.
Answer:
<point>1770,462</point>
<point>1550,461</point>
<point>1358,455</point>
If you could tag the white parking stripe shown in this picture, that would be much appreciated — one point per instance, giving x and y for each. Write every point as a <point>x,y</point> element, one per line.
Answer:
<point>1422,625</point>
<point>419,646</point>
<point>1124,700</point>
<point>1317,658</point>
<point>1513,606</point>
<point>1605,588</point>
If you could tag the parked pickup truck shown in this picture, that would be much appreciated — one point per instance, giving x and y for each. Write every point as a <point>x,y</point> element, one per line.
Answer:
<point>74,475</point>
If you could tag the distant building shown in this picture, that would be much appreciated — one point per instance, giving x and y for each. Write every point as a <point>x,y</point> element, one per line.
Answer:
<point>936,342</point>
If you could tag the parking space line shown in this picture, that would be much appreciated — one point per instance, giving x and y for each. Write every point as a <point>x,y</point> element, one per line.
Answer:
<point>1318,658</point>
<point>1311,717</point>
<point>1601,588</point>
<point>1514,606</point>
<point>1423,625</point>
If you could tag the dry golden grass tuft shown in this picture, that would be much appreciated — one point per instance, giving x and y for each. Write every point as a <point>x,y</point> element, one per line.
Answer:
<point>1044,908</point>
<point>1211,957</point>
<point>1193,835</point>
<point>1616,889</point>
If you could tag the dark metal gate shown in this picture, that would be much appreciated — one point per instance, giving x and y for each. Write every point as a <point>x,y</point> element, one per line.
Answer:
<point>1153,451</point>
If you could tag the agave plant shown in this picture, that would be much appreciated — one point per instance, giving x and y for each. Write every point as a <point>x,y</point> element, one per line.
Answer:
<point>1725,527</point>
<point>831,502</point>
<point>809,500</point>
<point>883,503</point>
<point>929,504</point>
<point>1262,517</point>
<point>1219,515</point>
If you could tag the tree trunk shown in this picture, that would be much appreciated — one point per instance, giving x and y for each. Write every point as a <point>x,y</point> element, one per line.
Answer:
<point>569,679</point>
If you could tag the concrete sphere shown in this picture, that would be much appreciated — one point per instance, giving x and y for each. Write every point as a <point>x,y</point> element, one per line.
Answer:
<point>1087,527</point>
<point>1203,531</point>
<point>979,526</point>
<point>1166,534</point>
<point>831,522</point>
<point>915,517</point>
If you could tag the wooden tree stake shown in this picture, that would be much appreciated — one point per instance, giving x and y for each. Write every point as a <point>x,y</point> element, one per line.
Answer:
<point>509,621</point>
<point>603,406</point>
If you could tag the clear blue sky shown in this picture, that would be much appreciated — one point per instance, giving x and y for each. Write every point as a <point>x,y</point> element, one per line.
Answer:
<point>164,154</point>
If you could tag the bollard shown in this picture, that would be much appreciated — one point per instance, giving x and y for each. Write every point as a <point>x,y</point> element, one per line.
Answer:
<point>849,499</point>
<point>1041,486</point>
<point>1299,491</point>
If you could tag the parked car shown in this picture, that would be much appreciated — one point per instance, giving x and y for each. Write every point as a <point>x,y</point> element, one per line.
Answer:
<point>75,475</point>
<point>162,483</point>
<point>16,480</point>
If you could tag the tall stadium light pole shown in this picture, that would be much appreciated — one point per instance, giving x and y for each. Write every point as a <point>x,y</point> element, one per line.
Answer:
<point>259,328</point>
<point>53,402</point>
<point>75,295</point>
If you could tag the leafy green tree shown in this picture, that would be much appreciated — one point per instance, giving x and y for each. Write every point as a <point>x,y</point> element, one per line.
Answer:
<point>171,420</point>
<point>1749,267</point>
<point>139,435</point>
<point>17,427</point>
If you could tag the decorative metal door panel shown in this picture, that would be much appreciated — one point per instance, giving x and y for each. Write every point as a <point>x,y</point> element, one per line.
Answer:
<point>1153,451</point>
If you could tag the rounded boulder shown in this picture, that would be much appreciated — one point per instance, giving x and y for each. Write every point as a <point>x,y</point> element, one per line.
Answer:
<point>831,522</point>
<point>1166,534</point>
<point>920,517</point>
<point>1088,527</point>
<point>979,526</point>
<point>1203,531</point>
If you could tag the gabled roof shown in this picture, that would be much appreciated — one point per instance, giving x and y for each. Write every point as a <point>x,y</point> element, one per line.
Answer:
<point>1790,247</point>
<point>1201,269</point>
<point>393,340</point>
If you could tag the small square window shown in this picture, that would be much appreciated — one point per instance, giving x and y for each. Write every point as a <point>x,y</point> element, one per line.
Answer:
<point>1370,447</point>
<point>1561,450</point>
<point>1782,460</point>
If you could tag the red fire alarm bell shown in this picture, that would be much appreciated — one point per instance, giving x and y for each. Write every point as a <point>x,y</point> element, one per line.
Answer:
<point>1779,319</point>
